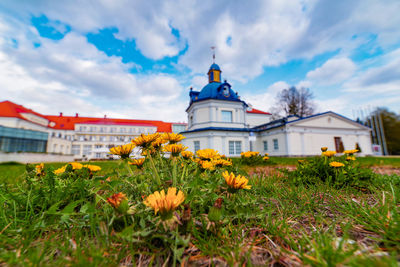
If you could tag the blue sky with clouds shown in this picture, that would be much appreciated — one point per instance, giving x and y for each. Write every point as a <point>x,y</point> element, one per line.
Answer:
<point>138,59</point>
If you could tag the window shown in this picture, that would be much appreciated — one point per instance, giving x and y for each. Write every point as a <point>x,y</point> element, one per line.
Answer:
<point>92,128</point>
<point>98,146</point>
<point>98,155</point>
<point>235,147</point>
<point>123,130</point>
<point>82,128</point>
<point>76,149</point>
<point>103,129</point>
<point>113,130</point>
<point>102,138</point>
<point>87,150</point>
<point>196,145</point>
<point>226,116</point>
<point>265,145</point>
<point>276,145</point>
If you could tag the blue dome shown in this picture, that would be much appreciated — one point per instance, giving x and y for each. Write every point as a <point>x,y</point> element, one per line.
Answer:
<point>217,90</point>
<point>209,91</point>
<point>215,67</point>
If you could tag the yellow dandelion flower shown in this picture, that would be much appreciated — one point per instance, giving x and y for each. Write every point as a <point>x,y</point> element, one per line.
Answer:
<point>39,169</point>
<point>93,168</point>
<point>172,138</point>
<point>60,170</point>
<point>221,162</point>
<point>324,148</point>
<point>137,162</point>
<point>266,154</point>
<point>207,154</point>
<point>174,149</point>
<point>165,203</point>
<point>119,201</point>
<point>235,182</point>
<point>207,165</point>
<point>116,199</point>
<point>157,144</point>
<point>186,154</point>
<point>350,152</point>
<point>76,165</point>
<point>350,158</point>
<point>336,164</point>
<point>123,151</point>
<point>266,158</point>
<point>145,141</point>
<point>329,153</point>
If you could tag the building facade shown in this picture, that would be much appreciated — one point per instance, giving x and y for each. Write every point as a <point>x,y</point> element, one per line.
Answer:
<point>84,137</point>
<point>219,119</point>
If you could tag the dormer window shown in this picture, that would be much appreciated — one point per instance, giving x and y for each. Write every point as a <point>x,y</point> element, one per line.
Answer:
<point>225,91</point>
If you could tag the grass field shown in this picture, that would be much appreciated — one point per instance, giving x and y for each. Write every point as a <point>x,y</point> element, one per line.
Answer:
<point>317,214</point>
<point>15,171</point>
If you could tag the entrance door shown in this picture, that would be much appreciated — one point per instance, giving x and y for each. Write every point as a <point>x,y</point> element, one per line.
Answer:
<point>339,144</point>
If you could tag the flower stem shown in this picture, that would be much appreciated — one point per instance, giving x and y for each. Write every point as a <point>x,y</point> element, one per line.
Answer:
<point>174,161</point>
<point>158,180</point>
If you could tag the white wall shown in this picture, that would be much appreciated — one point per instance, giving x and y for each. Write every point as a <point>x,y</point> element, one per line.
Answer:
<point>34,157</point>
<point>253,119</point>
<point>218,140</point>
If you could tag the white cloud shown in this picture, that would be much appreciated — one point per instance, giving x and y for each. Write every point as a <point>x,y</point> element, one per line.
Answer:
<point>266,100</point>
<point>333,71</point>
<point>71,76</point>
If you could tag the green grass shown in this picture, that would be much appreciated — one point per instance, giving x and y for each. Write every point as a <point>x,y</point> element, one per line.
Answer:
<point>66,220</point>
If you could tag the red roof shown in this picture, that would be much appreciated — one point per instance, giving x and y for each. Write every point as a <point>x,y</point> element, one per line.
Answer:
<point>10,109</point>
<point>257,111</point>
<point>68,122</point>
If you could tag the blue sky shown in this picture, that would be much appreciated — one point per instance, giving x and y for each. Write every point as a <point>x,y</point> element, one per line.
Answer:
<point>138,59</point>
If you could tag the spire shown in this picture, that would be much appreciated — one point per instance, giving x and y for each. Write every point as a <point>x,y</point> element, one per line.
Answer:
<point>213,50</point>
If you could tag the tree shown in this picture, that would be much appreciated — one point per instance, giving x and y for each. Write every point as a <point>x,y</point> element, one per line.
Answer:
<point>294,101</point>
<point>391,128</point>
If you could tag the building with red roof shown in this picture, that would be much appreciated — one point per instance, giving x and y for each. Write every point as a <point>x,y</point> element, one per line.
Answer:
<point>85,137</point>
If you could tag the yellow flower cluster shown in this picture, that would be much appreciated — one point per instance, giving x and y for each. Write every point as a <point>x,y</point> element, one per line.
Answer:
<point>350,158</point>
<point>324,148</point>
<point>165,203</point>
<point>336,164</point>
<point>123,151</point>
<point>77,166</point>
<point>39,169</point>
<point>206,165</point>
<point>329,153</point>
<point>249,154</point>
<point>235,182</point>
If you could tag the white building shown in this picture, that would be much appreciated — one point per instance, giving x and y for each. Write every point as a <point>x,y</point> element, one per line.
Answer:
<point>219,119</point>
<point>83,137</point>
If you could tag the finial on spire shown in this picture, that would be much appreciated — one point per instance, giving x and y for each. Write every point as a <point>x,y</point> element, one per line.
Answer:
<point>213,49</point>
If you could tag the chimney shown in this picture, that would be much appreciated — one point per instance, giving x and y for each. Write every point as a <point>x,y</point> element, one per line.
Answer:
<point>105,116</point>
<point>76,115</point>
<point>61,114</point>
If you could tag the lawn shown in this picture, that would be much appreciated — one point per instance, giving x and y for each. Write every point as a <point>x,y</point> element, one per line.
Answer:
<point>328,211</point>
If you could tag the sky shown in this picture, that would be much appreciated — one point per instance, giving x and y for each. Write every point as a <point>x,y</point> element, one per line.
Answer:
<point>138,59</point>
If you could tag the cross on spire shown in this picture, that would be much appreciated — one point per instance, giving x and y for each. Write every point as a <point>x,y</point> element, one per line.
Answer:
<point>213,49</point>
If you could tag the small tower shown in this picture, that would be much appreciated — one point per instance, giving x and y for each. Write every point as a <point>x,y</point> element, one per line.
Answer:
<point>214,74</point>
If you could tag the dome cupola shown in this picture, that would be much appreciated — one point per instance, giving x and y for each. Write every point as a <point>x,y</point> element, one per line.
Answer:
<point>214,74</point>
